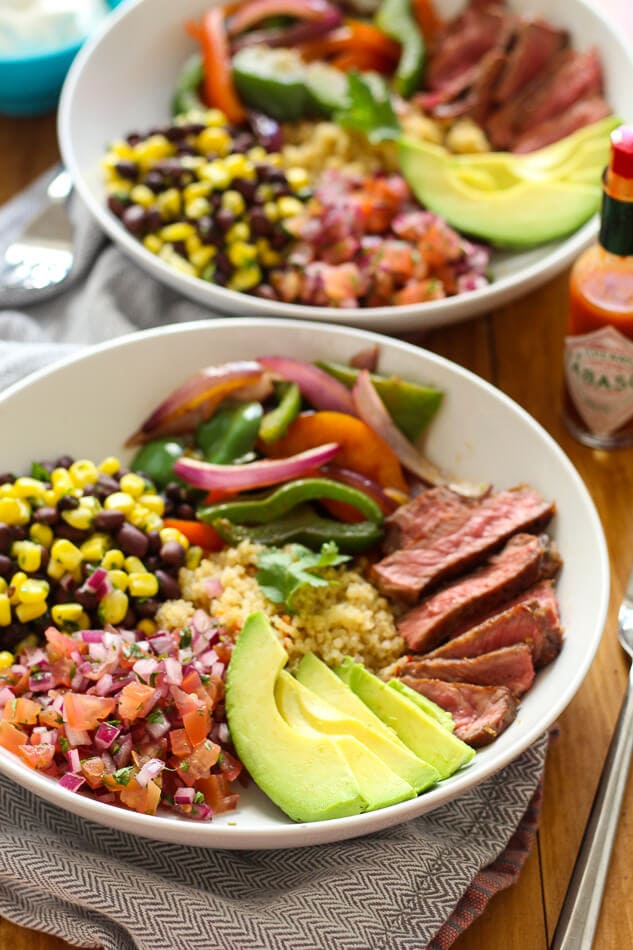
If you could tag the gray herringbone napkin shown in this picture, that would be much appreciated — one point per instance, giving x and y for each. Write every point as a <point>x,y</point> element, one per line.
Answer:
<point>414,885</point>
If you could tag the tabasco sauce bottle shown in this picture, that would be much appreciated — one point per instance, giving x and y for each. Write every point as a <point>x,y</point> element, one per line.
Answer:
<point>598,407</point>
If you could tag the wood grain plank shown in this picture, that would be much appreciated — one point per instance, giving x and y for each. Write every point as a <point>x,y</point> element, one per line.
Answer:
<point>28,147</point>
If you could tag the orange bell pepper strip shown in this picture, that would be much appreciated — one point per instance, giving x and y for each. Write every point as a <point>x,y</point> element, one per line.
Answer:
<point>427,18</point>
<point>354,36</point>
<point>219,89</point>
<point>361,449</point>
<point>203,535</point>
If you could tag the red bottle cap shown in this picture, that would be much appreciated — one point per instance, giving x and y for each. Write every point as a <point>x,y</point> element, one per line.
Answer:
<point>622,151</point>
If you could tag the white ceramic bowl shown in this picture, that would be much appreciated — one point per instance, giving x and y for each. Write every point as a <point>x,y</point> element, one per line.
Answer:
<point>147,41</point>
<point>92,403</point>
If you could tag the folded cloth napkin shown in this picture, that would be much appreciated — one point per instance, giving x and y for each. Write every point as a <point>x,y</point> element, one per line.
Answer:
<point>416,885</point>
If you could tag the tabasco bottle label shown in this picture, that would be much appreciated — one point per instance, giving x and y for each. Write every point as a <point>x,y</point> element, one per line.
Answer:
<point>599,376</point>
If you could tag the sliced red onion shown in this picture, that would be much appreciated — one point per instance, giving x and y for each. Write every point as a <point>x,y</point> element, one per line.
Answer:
<point>92,636</point>
<point>363,483</point>
<point>255,474</point>
<point>366,359</point>
<point>184,796</point>
<point>74,762</point>
<point>105,736</point>
<point>150,770</point>
<point>372,410</point>
<point>71,781</point>
<point>196,399</point>
<point>320,389</point>
<point>248,14</point>
<point>288,36</point>
<point>77,737</point>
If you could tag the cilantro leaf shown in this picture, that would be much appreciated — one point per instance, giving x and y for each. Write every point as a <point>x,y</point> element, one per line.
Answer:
<point>282,573</point>
<point>369,109</point>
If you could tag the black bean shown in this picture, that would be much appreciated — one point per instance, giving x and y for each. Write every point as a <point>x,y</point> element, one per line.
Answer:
<point>109,520</point>
<point>185,149</point>
<point>6,565</point>
<point>76,535</point>
<point>134,138</point>
<point>153,219</point>
<point>18,532</point>
<point>64,461</point>
<point>176,133</point>
<point>44,557</point>
<point>245,187</point>
<point>146,608</point>
<point>173,553</point>
<point>224,219</point>
<point>132,540</point>
<point>90,490</point>
<point>242,143</point>
<point>207,230</point>
<point>127,169</point>
<point>117,205</point>
<point>6,477</point>
<point>153,542</point>
<point>46,514</point>
<point>134,219</point>
<point>154,181</point>
<point>109,482</point>
<point>278,240</point>
<point>67,503</point>
<point>169,586</point>
<point>87,598</point>
<point>273,175</point>
<point>175,492</point>
<point>48,465</point>
<point>180,248</point>
<point>222,263</point>
<point>129,621</point>
<point>193,128</point>
<point>260,224</point>
<point>170,507</point>
<point>280,189</point>
<point>6,538</point>
<point>186,512</point>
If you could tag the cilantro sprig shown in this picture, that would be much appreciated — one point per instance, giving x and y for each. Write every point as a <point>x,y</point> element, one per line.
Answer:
<point>369,109</point>
<point>282,573</point>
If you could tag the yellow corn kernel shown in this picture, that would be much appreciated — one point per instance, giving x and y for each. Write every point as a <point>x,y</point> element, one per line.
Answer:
<point>61,482</point>
<point>177,261</point>
<point>193,557</point>
<point>119,501</point>
<point>289,207</point>
<point>7,490</point>
<point>133,484</point>
<point>142,584</point>
<point>173,534</point>
<point>214,117</point>
<point>177,232</point>
<point>265,193</point>
<point>147,627</point>
<point>55,570</point>
<point>216,174</point>
<point>214,140</point>
<point>110,465</point>
<point>3,586</point>
<point>116,185</point>
<point>121,149</point>
<point>83,472</point>
<point>271,211</point>
<point>242,254</point>
<point>15,511</point>
<point>298,178</point>
<point>41,534</point>
<point>139,516</point>
<point>5,610</point>
<point>7,659</point>
<point>113,560</point>
<point>50,497</point>
<point>143,196</point>
<point>245,277</point>
<point>267,256</point>
<point>197,189</point>
<point>192,244</point>
<point>33,591</point>
<point>203,256</point>
<point>94,548</point>
<point>153,501</point>
<point>81,517</point>
<point>113,607</point>
<point>27,612</point>
<point>151,150</point>
<point>118,579</point>
<point>240,231</point>
<point>14,586</point>
<point>66,613</point>
<point>28,555</point>
<point>197,208</point>
<point>257,154</point>
<point>153,243</point>
<point>134,565</point>
<point>68,555</point>
<point>275,159</point>
<point>29,488</point>
<point>234,202</point>
<point>169,203</point>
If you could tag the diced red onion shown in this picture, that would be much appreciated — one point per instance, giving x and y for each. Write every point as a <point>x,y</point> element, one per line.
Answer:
<point>372,410</point>
<point>96,580</point>
<point>6,695</point>
<point>77,737</point>
<point>218,669</point>
<point>159,728</point>
<point>41,682</point>
<point>105,735</point>
<point>255,474</point>
<point>162,643</point>
<point>150,770</point>
<point>104,685</point>
<point>37,657</point>
<point>58,703</point>
<point>123,754</point>
<point>184,796</point>
<point>74,763</point>
<point>212,588</point>
<point>97,651</point>
<point>92,636</point>
<point>202,812</point>
<point>78,683</point>
<point>320,389</point>
<point>71,781</point>
<point>209,658</point>
<point>223,733</point>
<point>145,668</point>
<point>108,761</point>
<point>104,795</point>
<point>173,671</point>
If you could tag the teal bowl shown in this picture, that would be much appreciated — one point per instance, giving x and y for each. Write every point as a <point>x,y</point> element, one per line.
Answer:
<point>30,85</point>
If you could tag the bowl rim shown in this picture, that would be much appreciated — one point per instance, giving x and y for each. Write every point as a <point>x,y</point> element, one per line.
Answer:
<point>165,827</point>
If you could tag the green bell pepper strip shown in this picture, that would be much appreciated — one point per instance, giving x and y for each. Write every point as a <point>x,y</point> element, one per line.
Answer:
<point>156,460</point>
<point>186,96</point>
<point>303,526</point>
<point>275,423</point>
<point>229,436</point>
<point>395,18</point>
<point>286,498</point>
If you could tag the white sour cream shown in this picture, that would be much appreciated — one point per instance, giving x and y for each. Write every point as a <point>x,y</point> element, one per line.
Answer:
<point>37,26</point>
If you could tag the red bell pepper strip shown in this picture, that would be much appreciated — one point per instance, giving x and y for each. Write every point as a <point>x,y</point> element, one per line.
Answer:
<point>204,535</point>
<point>219,90</point>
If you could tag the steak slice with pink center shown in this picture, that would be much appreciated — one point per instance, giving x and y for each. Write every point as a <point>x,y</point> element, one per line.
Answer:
<point>510,666</point>
<point>524,560</point>
<point>480,713</point>
<point>432,514</point>
<point>410,571</point>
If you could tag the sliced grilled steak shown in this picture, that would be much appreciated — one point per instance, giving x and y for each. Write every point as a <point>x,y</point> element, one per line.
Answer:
<point>534,44</point>
<point>524,560</point>
<point>463,42</point>
<point>509,666</point>
<point>432,514</point>
<point>411,570</point>
<point>524,623</point>
<point>481,713</point>
<point>581,113</point>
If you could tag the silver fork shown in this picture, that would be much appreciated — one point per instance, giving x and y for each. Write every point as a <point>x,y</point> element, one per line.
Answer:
<point>43,254</point>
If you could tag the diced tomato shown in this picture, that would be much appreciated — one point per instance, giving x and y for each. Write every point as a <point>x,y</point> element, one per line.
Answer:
<point>144,800</point>
<point>60,644</point>
<point>22,711</point>
<point>191,682</point>
<point>62,670</point>
<point>136,701</point>
<point>92,769</point>
<point>198,764</point>
<point>37,756</point>
<point>197,723</point>
<point>217,793</point>
<point>417,291</point>
<point>50,717</point>
<point>180,744</point>
<point>11,737</point>
<point>230,766</point>
<point>82,711</point>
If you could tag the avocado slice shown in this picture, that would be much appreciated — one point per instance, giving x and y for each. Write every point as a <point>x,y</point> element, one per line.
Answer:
<point>423,734</point>
<point>379,785</point>
<point>308,778</point>
<point>426,705</point>
<point>410,405</point>
<point>513,200</point>
<point>332,716</point>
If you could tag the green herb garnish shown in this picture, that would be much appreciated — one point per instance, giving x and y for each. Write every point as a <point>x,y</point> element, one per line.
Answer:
<point>369,110</point>
<point>282,573</point>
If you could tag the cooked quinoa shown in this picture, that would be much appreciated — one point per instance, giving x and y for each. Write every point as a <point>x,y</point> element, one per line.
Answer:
<point>347,618</point>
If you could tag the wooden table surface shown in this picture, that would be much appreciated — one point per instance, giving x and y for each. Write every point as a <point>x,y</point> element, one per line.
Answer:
<point>519,349</point>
